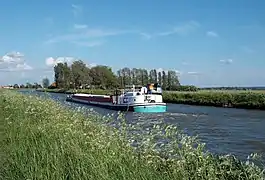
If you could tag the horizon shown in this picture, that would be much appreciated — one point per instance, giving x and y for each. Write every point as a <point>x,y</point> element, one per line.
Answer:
<point>210,44</point>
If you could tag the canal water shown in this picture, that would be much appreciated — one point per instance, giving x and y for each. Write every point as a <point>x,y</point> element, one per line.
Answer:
<point>224,130</point>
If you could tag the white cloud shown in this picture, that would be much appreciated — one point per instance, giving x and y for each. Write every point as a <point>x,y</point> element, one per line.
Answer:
<point>146,36</point>
<point>13,61</point>
<point>80,26</point>
<point>89,44</point>
<point>212,34</point>
<point>187,27</point>
<point>22,67</point>
<point>193,73</point>
<point>166,71</point>
<point>102,33</point>
<point>91,65</point>
<point>226,61</point>
<point>51,62</point>
<point>87,33</point>
<point>15,55</point>
<point>182,29</point>
<point>184,63</point>
<point>77,10</point>
<point>177,71</point>
<point>247,50</point>
<point>160,70</point>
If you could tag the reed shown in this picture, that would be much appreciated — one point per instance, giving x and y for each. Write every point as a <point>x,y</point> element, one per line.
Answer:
<point>40,139</point>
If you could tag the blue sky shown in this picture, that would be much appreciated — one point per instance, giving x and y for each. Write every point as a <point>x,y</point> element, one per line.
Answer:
<point>209,43</point>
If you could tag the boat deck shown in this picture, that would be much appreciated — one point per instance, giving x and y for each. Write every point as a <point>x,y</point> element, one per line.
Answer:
<point>119,107</point>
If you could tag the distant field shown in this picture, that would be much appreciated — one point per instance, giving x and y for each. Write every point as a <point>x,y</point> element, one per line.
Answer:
<point>207,90</point>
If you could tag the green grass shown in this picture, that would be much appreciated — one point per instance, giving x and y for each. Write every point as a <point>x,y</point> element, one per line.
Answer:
<point>42,140</point>
<point>233,91</point>
<point>238,99</point>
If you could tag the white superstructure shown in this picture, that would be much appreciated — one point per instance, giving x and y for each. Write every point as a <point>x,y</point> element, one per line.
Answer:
<point>133,97</point>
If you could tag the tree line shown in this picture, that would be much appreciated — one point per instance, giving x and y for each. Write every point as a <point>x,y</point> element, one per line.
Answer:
<point>35,85</point>
<point>27,86</point>
<point>79,75</point>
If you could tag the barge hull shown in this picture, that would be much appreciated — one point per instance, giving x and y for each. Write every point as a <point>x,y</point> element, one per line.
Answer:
<point>152,108</point>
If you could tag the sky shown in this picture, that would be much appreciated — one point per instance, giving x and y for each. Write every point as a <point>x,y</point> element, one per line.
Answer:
<point>208,43</point>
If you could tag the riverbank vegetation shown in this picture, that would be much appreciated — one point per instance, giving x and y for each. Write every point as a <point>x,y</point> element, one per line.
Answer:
<point>236,99</point>
<point>40,139</point>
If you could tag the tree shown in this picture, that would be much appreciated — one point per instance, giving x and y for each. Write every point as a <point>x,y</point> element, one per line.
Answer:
<point>58,75</point>
<point>134,76</point>
<point>45,82</point>
<point>173,81</point>
<point>153,76</point>
<point>36,85</point>
<point>160,78</point>
<point>62,75</point>
<point>120,79</point>
<point>169,80</point>
<point>164,80</point>
<point>80,74</point>
<point>138,76</point>
<point>66,76</point>
<point>103,77</point>
<point>145,79</point>
<point>126,75</point>
<point>28,85</point>
<point>15,86</point>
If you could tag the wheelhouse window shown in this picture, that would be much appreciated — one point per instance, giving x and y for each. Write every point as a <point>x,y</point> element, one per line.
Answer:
<point>129,94</point>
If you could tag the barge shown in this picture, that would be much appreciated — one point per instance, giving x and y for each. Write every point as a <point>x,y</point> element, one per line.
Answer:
<point>147,99</point>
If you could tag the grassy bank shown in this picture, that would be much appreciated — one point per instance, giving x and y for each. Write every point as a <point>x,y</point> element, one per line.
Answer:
<point>229,98</point>
<point>42,140</point>
<point>236,99</point>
